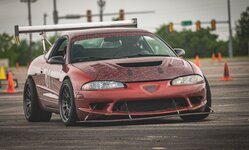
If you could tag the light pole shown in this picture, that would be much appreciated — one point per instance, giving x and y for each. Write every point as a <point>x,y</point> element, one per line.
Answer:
<point>230,45</point>
<point>30,24</point>
<point>101,4</point>
<point>45,21</point>
<point>55,13</point>
<point>45,18</point>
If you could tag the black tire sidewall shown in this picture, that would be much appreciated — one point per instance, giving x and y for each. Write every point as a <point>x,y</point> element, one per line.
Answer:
<point>72,115</point>
<point>37,114</point>
<point>33,99</point>
<point>208,96</point>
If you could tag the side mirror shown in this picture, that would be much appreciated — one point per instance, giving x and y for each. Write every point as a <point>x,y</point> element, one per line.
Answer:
<point>56,60</point>
<point>180,52</point>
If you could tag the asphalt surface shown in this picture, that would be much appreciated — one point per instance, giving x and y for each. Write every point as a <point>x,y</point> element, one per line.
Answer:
<point>227,128</point>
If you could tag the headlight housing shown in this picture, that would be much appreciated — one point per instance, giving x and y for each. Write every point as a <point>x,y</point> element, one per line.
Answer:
<point>102,85</point>
<point>191,79</point>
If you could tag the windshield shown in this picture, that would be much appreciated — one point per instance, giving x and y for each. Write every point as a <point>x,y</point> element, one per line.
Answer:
<point>118,45</point>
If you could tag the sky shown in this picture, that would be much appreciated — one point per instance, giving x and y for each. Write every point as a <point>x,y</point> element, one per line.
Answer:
<point>15,12</point>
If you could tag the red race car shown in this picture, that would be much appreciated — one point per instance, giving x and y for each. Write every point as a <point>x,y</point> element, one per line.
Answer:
<point>111,71</point>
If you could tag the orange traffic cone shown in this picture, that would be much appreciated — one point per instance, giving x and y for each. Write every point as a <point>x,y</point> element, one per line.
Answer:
<point>226,73</point>
<point>213,57</point>
<point>219,57</point>
<point>17,66</point>
<point>197,61</point>
<point>10,88</point>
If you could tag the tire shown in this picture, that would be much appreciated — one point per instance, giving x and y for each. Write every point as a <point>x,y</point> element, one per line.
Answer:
<point>15,83</point>
<point>207,108</point>
<point>67,104</point>
<point>32,111</point>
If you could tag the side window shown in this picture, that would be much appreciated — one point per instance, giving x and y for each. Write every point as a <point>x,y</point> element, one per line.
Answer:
<point>49,52</point>
<point>60,48</point>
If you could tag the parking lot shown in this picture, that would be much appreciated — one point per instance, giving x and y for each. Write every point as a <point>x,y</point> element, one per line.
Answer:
<point>226,128</point>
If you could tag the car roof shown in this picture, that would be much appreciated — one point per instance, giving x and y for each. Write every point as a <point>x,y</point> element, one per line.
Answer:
<point>78,33</point>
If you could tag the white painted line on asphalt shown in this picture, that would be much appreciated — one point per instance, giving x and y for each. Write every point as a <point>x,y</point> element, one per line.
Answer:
<point>159,148</point>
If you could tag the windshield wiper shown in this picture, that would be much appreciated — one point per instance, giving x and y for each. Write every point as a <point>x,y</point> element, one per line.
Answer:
<point>91,58</point>
<point>145,55</point>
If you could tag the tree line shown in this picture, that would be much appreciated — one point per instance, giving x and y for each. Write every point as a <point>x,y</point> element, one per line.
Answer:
<point>204,42</point>
<point>19,53</point>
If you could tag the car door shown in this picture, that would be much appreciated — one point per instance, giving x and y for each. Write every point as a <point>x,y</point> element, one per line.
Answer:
<point>53,74</point>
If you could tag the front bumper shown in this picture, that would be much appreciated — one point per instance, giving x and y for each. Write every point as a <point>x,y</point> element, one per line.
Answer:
<point>140,100</point>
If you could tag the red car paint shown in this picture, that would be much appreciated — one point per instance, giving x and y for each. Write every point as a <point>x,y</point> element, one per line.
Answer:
<point>146,84</point>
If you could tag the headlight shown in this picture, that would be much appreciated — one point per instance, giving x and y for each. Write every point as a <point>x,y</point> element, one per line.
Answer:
<point>192,79</point>
<point>102,85</point>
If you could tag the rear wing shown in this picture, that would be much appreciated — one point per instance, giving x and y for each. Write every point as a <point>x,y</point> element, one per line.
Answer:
<point>67,27</point>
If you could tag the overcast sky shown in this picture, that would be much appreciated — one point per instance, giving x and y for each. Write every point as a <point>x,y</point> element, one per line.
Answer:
<point>14,12</point>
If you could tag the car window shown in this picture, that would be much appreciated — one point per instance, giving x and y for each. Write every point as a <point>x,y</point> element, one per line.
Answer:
<point>99,43</point>
<point>107,46</point>
<point>158,46</point>
<point>60,48</point>
<point>90,43</point>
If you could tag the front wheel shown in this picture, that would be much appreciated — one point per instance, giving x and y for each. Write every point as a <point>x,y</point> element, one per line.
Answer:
<point>207,108</point>
<point>67,104</point>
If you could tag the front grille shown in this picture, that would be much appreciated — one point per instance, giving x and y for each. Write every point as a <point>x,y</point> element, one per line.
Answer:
<point>195,99</point>
<point>149,105</point>
<point>98,106</point>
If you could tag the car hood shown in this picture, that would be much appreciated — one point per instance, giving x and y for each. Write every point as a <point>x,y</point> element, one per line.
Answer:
<point>136,69</point>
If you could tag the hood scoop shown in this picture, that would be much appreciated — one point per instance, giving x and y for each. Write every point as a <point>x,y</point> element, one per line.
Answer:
<point>136,70</point>
<point>141,64</point>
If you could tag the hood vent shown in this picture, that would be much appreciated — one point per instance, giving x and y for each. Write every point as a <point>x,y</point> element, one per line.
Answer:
<point>140,64</point>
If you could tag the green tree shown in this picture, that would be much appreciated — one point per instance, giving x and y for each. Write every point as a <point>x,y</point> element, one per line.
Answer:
<point>242,33</point>
<point>19,52</point>
<point>5,44</point>
<point>7,49</point>
<point>201,43</point>
<point>22,51</point>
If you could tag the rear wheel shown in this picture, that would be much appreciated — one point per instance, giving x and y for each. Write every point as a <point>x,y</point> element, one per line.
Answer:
<point>66,104</point>
<point>32,111</point>
<point>207,108</point>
